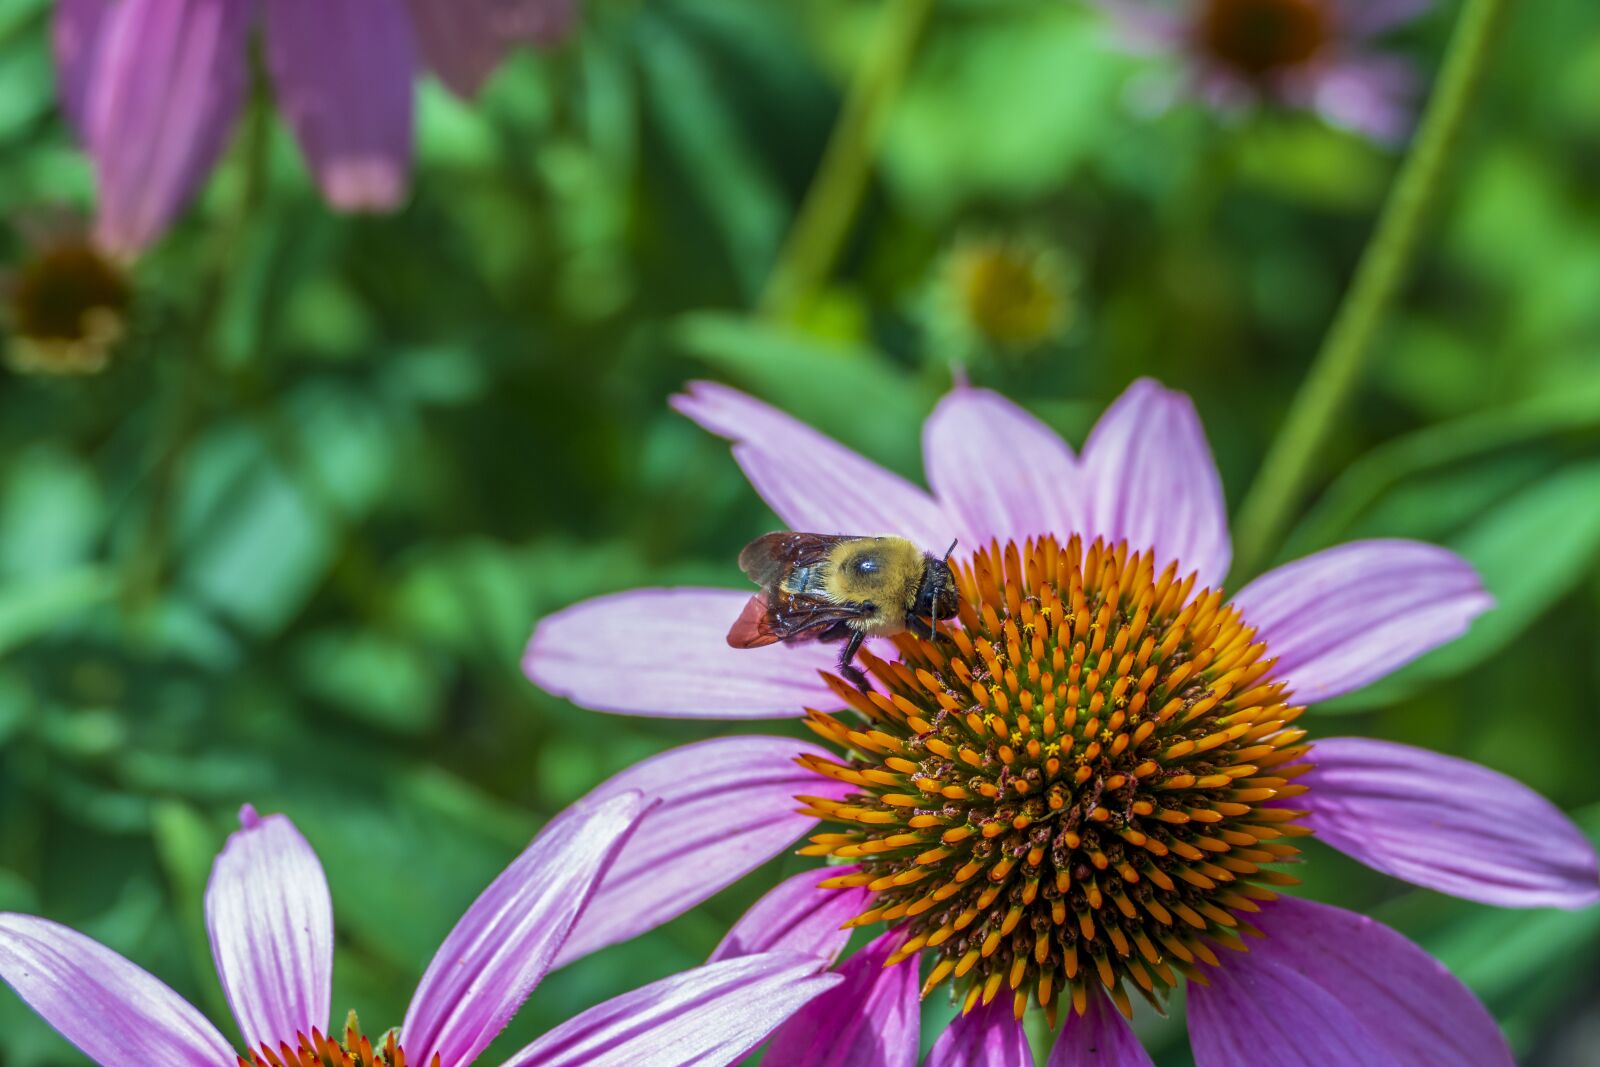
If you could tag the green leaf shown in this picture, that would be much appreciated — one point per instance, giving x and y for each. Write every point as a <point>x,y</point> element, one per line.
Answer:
<point>1002,104</point>
<point>1530,550</point>
<point>697,122</point>
<point>51,513</point>
<point>1465,453</point>
<point>377,679</point>
<point>255,541</point>
<point>31,609</point>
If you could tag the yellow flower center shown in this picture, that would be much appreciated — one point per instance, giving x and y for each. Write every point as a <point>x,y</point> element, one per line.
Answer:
<point>69,308</point>
<point>1072,788</point>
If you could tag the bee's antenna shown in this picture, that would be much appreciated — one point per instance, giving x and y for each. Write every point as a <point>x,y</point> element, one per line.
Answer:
<point>933,612</point>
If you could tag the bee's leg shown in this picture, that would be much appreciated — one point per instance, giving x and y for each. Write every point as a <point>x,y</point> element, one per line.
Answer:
<point>846,668</point>
<point>925,629</point>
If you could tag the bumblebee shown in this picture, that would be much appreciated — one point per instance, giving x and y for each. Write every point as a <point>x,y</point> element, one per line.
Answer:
<point>821,587</point>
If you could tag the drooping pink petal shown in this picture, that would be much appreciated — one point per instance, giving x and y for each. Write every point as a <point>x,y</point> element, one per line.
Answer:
<point>713,1014</point>
<point>664,652</point>
<point>1148,476</point>
<point>1260,1010</point>
<point>508,939</point>
<point>75,37</point>
<point>726,807</point>
<point>1382,999</point>
<point>1370,94</point>
<point>1448,824</point>
<point>814,483</point>
<point>167,85</point>
<point>1146,25</point>
<point>462,41</point>
<point>459,40</point>
<point>987,1036</point>
<point>1100,1036</point>
<point>342,73</point>
<point>872,1017</point>
<point>270,920</point>
<point>116,1013</point>
<point>1366,18</point>
<point>997,470</point>
<point>1349,615</point>
<point>796,916</point>
<point>541,22</point>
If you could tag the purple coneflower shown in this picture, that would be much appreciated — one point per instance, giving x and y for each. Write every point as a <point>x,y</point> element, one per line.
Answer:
<point>153,88</point>
<point>271,925</point>
<point>1317,55</point>
<point>1087,789</point>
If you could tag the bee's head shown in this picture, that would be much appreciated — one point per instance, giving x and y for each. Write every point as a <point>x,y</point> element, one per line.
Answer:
<point>937,597</point>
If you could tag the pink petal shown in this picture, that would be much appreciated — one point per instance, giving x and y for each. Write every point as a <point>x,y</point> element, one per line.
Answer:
<point>542,22</point>
<point>871,1018</point>
<point>813,482</point>
<point>168,82</point>
<point>987,1036</point>
<point>116,1013</point>
<point>1100,1036</point>
<point>665,653</point>
<point>458,40</point>
<point>1370,94</point>
<point>1346,616</point>
<point>796,916</point>
<point>711,1015</point>
<point>1448,824</point>
<point>1258,1009</point>
<point>726,807</point>
<point>342,73</point>
<point>75,37</point>
<point>271,924</point>
<point>508,939</point>
<point>1000,472</point>
<point>1149,477</point>
<point>462,41</point>
<point>1382,999</point>
<point>1367,18</point>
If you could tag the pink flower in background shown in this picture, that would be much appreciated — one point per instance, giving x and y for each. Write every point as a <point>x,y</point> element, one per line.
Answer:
<point>154,87</point>
<point>270,921</point>
<point>1315,55</point>
<point>1086,788</point>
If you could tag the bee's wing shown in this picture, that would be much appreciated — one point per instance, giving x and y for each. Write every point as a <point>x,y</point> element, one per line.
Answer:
<point>777,616</point>
<point>769,557</point>
<point>753,627</point>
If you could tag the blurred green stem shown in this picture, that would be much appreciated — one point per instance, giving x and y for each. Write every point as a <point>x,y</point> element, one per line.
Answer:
<point>1281,484</point>
<point>186,384</point>
<point>830,206</point>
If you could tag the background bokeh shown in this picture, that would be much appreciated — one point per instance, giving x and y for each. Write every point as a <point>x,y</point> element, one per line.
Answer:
<point>287,547</point>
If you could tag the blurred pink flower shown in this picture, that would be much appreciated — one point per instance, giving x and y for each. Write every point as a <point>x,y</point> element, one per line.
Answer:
<point>1315,55</point>
<point>270,920</point>
<point>153,88</point>
<point>933,783</point>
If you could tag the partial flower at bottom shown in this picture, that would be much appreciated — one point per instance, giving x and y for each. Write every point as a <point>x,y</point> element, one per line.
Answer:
<point>270,921</point>
<point>1090,790</point>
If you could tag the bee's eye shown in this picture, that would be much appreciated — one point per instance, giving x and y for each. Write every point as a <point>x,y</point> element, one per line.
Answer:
<point>865,565</point>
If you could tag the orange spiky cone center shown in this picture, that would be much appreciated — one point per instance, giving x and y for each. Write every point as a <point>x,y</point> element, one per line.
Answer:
<point>1072,789</point>
<point>316,1050</point>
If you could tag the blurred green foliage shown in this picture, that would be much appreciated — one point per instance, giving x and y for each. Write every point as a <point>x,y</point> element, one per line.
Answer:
<point>286,550</point>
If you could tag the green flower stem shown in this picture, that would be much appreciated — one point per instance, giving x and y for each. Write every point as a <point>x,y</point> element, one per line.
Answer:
<point>1281,484</point>
<point>819,231</point>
